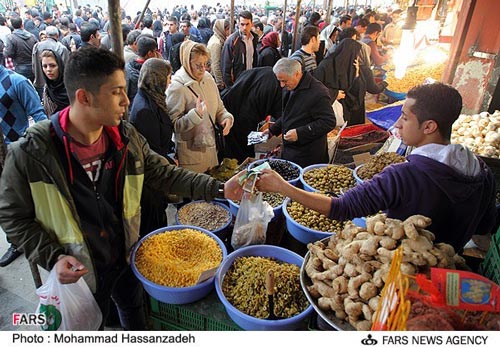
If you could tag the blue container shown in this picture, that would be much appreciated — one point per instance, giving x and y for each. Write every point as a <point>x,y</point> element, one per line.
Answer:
<point>302,233</point>
<point>177,295</point>
<point>395,95</point>
<point>355,174</point>
<point>218,231</point>
<point>246,321</point>
<point>293,182</point>
<point>233,207</point>
<point>306,186</point>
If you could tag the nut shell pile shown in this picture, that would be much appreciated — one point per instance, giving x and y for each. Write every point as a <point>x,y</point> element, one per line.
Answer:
<point>377,163</point>
<point>330,178</point>
<point>479,132</point>
<point>349,271</point>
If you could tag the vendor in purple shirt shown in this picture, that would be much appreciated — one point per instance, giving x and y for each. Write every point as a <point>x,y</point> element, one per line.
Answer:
<point>443,181</point>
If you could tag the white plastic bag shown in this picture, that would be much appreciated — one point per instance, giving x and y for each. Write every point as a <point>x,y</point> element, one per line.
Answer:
<point>338,110</point>
<point>251,222</point>
<point>68,307</point>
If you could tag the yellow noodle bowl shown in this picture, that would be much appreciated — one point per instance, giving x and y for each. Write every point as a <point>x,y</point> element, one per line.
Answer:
<point>177,258</point>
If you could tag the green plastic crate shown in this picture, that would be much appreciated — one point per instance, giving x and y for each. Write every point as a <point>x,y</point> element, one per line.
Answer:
<point>490,267</point>
<point>207,314</point>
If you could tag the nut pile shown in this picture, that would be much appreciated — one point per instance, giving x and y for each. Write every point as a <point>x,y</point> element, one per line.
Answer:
<point>286,169</point>
<point>414,76</point>
<point>205,215</point>
<point>312,219</point>
<point>377,163</point>
<point>349,270</point>
<point>244,287</point>
<point>480,133</point>
<point>330,178</point>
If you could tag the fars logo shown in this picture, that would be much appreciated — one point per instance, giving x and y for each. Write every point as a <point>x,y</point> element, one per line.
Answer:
<point>19,319</point>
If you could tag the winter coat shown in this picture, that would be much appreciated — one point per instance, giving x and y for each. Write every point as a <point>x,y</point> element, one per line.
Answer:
<point>215,45</point>
<point>255,95</point>
<point>132,70</point>
<point>233,60</point>
<point>308,110</point>
<point>268,56</point>
<point>181,104</point>
<point>19,47</point>
<point>36,172</point>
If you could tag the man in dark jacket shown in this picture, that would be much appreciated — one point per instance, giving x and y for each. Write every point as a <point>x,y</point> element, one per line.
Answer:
<point>445,182</point>
<point>19,47</point>
<point>307,115</point>
<point>146,48</point>
<point>71,188</point>
<point>240,50</point>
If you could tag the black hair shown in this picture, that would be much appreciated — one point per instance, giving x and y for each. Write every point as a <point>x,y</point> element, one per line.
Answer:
<point>245,14</point>
<point>373,28</point>
<point>344,19</point>
<point>308,33</point>
<point>347,33</point>
<point>148,22</point>
<point>125,31</point>
<point>87,30</point>
<point>89,69</point>
<point>144,45</point>
<point>438,102</point>
<point>363,22</point>
<point>2,20</point>
<point>132,37</point>
<point>173,19</point>
<point>259,25</point>
<point>16,22</point>
<point>315,16</point>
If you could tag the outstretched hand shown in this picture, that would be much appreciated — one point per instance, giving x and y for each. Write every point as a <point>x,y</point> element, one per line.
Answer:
<point>270,181</point>
<point>69,269</point>
<point>232,188</point>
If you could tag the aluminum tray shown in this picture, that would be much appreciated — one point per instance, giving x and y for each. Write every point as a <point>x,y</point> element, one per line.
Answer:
<point>305,281</point>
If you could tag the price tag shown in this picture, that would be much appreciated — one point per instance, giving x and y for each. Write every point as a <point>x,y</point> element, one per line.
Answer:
<point>361,158</point>
<point>209,273</point>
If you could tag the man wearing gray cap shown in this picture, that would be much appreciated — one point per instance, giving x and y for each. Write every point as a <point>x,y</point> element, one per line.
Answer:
<point>52,44</point>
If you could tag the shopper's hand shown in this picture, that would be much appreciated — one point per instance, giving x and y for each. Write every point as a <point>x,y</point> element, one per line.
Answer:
<point>270,181</point>
<point>201,107</point>
<point>227,123</point>
<point>232,188</point>
<point>69,269</point>
<point>291,136</point>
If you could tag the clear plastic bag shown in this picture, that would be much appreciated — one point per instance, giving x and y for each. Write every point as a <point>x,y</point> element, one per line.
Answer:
<point>203,132</point>
<point>251,222</point>
<point>68,307</point>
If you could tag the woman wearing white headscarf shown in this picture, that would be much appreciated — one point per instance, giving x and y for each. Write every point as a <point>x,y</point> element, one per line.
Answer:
<point>215,45</point>
<point>193,103</point>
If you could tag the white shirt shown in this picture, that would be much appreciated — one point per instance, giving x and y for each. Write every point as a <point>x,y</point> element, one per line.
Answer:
<point>248,40</point>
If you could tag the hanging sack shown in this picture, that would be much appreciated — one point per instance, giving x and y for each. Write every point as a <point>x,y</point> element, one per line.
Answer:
<point>68,307</point>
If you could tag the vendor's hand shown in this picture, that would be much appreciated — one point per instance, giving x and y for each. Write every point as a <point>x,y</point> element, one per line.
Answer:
<point>201,107</point>
<point>69,269</point>
<point>341,94</point>
<point>291,136</point>
<point>232,188</point>
<point>270,181</point>
<point>266,131</point>
<point>227,123</point>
